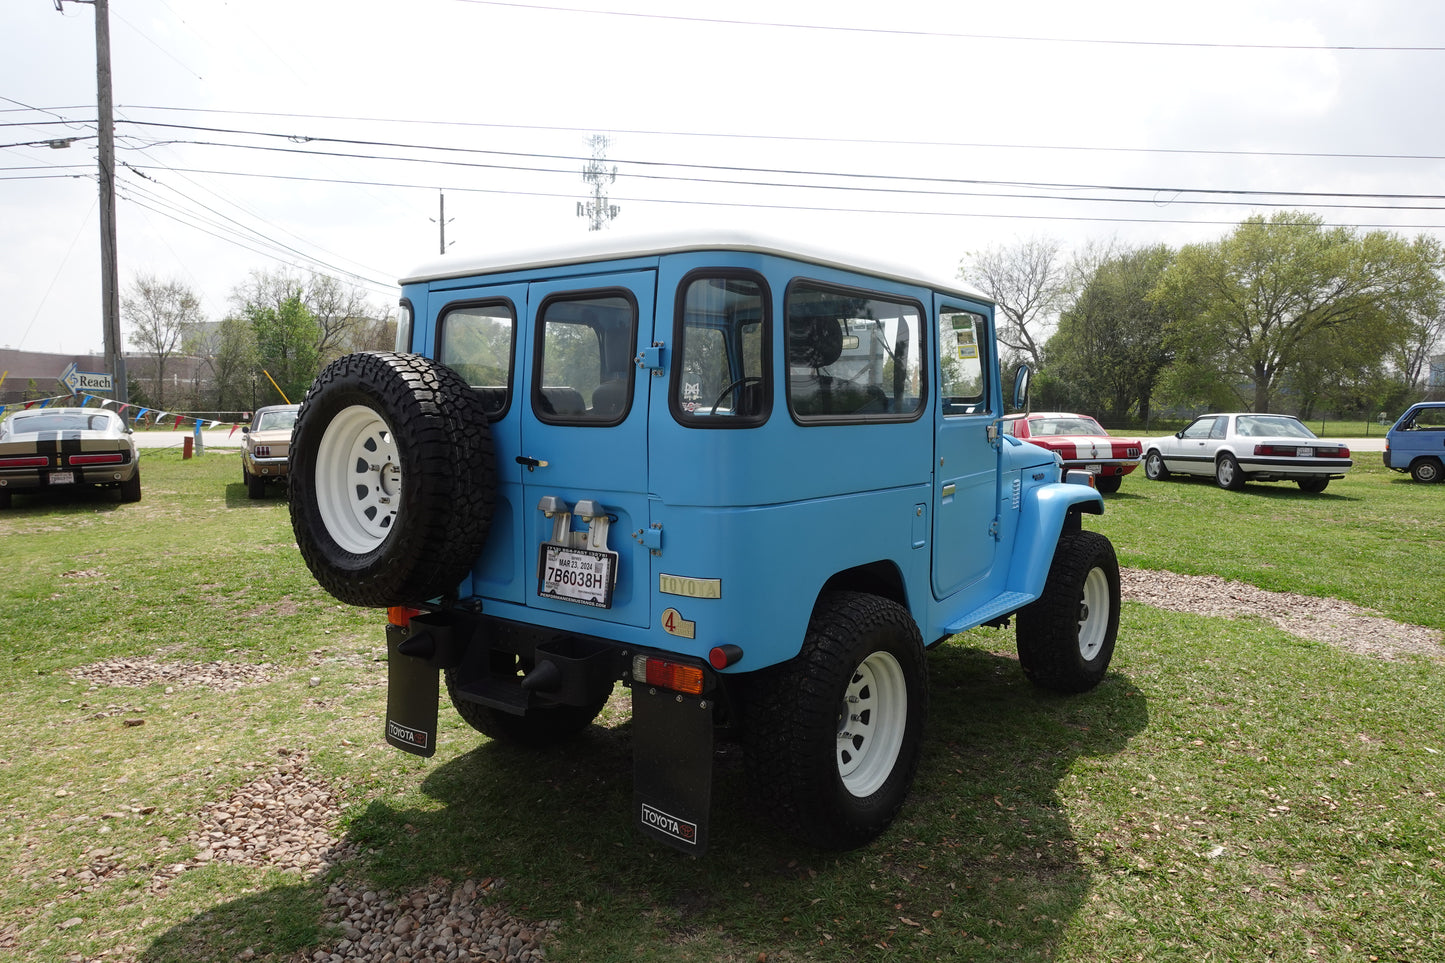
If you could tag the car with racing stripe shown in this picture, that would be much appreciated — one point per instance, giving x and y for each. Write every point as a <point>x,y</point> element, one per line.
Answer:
<point>51,450</point>
<point>1239,447</point>
<point>1081,442</point>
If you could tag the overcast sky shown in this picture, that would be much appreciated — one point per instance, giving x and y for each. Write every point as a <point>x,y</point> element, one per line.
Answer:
<point>319,135</point>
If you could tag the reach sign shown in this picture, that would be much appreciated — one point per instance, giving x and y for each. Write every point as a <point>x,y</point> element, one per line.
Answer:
<point>78,381</point>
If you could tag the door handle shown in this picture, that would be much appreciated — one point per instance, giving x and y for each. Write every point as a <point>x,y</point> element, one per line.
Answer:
<point>532,464</point>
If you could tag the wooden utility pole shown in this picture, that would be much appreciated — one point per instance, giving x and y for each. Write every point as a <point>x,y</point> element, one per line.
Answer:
<point>109,268</point>
<point>109,272</point>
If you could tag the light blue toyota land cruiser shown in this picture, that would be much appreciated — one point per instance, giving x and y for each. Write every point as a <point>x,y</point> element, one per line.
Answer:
<point>750,482</point>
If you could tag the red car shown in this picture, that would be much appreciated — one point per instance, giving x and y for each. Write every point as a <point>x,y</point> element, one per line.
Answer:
<point>1081,442</point>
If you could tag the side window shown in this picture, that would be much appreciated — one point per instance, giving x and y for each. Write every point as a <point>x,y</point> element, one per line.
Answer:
<point>962,355</point>
<point>1221,425</point>
<point>584,368</point>
<point>1200,429</point>
<point>403,327</point>
<point>721,378</point>
<point>476,341</point>
<point>852,355</point>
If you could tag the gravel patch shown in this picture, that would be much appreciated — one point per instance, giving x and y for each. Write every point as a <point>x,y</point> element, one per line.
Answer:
<point>1341,624</point>
<point>146,671</point>
<point>438,923</point>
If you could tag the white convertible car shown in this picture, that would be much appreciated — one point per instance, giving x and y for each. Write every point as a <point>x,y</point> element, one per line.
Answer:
<point>1236,448</point>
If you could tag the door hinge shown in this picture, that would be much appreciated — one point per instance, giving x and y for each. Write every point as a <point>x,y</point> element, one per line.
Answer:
<point>652,358</point>
<point>993,528</point>
<point>650,538</point>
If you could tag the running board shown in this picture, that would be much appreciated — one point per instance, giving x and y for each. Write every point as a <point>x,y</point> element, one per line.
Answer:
<point>997,607</point>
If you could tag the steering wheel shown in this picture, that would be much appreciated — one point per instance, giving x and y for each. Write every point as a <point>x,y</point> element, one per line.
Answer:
<point>741,382</point>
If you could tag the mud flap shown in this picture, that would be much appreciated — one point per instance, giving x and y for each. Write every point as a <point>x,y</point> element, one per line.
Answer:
<point>672,767</point>
<point>412,691</point>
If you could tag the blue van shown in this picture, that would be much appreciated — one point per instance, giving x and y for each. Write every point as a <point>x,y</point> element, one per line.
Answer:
<point>750,482</point>
<point>1416,443</point>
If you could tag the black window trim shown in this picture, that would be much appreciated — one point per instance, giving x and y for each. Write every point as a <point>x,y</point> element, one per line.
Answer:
<point>985,363</point>
<point>925,379</point>
<point>510,305</point>
<point>686,419</point>
<point>539,329</point>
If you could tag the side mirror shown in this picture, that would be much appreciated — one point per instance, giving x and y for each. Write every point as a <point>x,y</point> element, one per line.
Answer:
<point>245,429</point>
<point>1022,376</point>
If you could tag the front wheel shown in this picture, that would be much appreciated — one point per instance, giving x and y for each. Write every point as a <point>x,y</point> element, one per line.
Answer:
<point>1066,638</point>
<point>1227,474</point>
<point>833,737</point>
<point>1154,469</point>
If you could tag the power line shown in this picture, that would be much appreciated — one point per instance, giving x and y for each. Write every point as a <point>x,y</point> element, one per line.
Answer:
<point>946,35</point>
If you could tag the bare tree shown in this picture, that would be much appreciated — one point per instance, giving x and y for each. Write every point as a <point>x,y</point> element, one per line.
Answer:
<point>160,313</point>
<point>1030,281</point>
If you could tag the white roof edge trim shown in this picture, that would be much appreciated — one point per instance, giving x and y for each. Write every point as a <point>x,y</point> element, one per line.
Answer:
<point>657,245</point>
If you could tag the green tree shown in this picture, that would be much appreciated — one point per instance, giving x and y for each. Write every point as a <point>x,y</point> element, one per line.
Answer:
<point>228,350</point>
<point>286,345</point>
<point>1250,309</point>
<point>1112,343</point>
<point>160,314</point>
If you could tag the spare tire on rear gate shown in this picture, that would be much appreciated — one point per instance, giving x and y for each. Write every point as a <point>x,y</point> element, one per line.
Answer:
<point>393,479</point>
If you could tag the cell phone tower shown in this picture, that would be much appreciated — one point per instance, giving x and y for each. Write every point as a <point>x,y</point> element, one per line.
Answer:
<point>598,212</point>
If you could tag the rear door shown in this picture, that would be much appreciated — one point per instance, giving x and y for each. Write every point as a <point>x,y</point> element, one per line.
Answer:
<point>583,441</point>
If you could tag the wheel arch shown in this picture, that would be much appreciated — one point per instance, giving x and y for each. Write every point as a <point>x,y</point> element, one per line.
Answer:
<point>1046,513</point>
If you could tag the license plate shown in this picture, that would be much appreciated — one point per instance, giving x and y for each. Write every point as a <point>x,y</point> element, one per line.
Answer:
<point>1093,469</point>
<point>1304,452</point>
<point>62,478</point>
<point>577,575</point>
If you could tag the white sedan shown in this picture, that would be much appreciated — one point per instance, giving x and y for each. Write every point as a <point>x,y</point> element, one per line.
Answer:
<point>1236,448</point>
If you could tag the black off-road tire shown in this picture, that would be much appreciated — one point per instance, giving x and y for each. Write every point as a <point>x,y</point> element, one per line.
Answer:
<point>539,728</point>
<point>1154,469</point>
<point>1066,637</point>
<point>1426,470</point>
<point>130,489</point>
<point>392,479</point>
<point>834,791</point>
<point>1227,473</point>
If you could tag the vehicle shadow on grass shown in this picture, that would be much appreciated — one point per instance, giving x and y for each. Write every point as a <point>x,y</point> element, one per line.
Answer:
<point>981,863</point>
<point>238,497</point>
<point>1278,489</point>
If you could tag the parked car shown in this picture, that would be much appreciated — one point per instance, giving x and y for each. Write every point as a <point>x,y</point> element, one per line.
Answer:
<point>1237,448</point>
<point>266,447</point>
<point>751,482</point>
<point>1416,443</point>
<point>53,449</point>
<point>1081,442</point>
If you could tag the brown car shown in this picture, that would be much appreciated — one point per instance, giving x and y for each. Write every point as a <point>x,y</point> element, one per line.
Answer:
<point>266,448</point>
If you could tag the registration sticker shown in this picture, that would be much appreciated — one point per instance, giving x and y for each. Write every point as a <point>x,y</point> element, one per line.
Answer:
<point>576,575</point>
<point>62,478</point>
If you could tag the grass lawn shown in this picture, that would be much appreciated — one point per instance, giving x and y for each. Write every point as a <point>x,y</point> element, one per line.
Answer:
<point>1231,792</point>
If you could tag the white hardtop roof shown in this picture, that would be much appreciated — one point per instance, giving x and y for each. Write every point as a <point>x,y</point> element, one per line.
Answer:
<point>653,245</point>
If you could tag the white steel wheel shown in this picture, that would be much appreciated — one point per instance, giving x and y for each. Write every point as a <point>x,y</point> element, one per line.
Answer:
<point>1094,612</point>
<point>358,479</point>
<point>871,724</point>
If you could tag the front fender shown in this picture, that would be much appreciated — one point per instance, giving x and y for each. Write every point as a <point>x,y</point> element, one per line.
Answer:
<point>1043,513</point>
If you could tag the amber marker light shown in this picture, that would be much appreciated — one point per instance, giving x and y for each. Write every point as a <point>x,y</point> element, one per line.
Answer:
<point>401,614</point>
